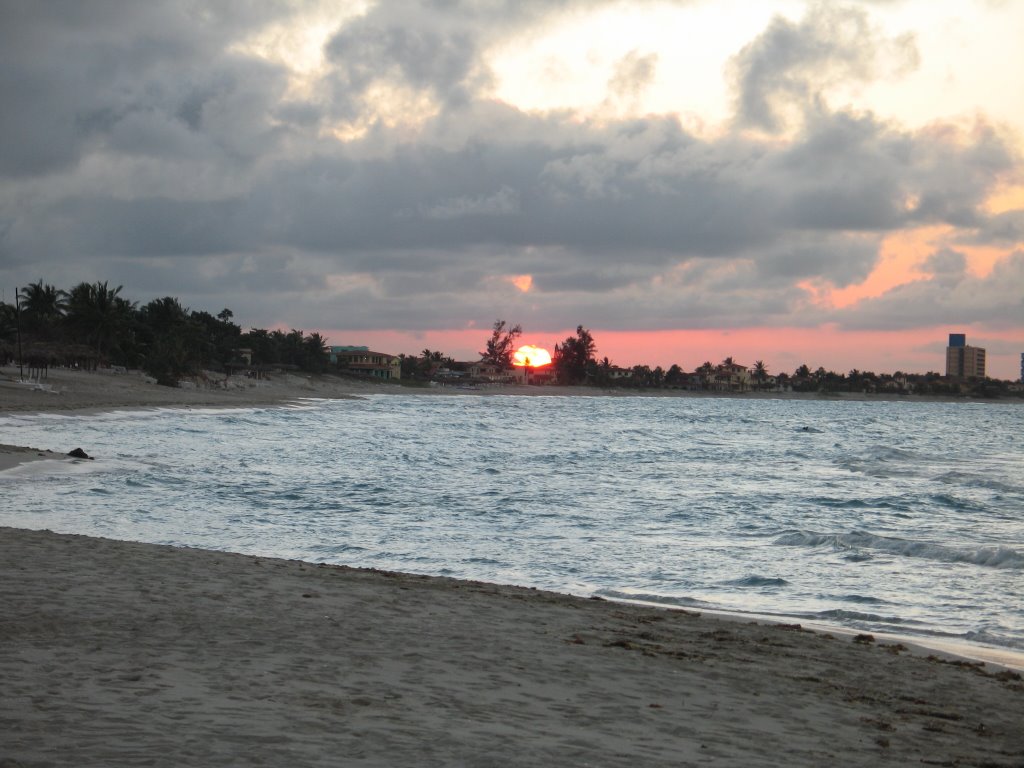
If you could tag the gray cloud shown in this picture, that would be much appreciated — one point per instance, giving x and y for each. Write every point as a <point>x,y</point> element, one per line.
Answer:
<point>633,73</point>
<point>842,259</point>
<point>142,148</point>
<point>1005,228</point>
<point>71,71</point>
<point>791,65</point>
<point>946,264</point>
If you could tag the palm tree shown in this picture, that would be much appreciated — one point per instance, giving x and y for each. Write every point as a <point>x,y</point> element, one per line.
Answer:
<point>97,313</point>
<point>317,354</point>
<point>42,306</point>
<point>760,373</point>
<point>164,313</point>
<point>175,342</point>
<point>8,321</point>
<point>603,373</point>
<point>704,372</point>
<point>258,340</point>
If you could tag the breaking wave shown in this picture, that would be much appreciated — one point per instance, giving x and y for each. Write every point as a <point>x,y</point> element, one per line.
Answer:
<point>985,556</point>
<point>757,581</point>
<point>852,513</point>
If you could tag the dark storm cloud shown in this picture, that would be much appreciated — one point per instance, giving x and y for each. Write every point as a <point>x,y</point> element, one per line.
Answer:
<point>71,71</point>
<point>141,146</point>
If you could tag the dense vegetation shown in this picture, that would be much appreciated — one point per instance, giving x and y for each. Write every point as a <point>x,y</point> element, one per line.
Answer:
<point>92,324</point>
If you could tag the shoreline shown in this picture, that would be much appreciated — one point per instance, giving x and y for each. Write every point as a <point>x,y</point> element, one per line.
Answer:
<point>113,650</point>
<point>133,394</point>
<point>13,456</point>
<point>67,390</point>
<point>950,649</point>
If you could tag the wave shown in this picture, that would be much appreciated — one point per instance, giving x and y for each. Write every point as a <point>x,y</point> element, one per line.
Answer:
<point>995,636</point>
<point>858,557</point>
<point>645,597</point>
<point>975,480</point>
<point>842,617</point>
<point>873,504</point>
<point>987,557</point>
<point>757,581</point>
<point>882,461</point>
<point>864,599</point>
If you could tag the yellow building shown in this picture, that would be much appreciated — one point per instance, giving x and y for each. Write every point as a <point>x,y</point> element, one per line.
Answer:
<point>963,361</point>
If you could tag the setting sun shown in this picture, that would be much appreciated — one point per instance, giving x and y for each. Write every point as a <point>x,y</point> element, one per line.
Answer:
<point>531,357</point>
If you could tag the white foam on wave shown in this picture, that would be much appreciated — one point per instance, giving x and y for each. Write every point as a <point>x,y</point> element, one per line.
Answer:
<point>985,556</point>
<point>646,496</point>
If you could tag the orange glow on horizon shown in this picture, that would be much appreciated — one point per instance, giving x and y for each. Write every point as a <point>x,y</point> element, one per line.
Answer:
<point>530,356</point>
<point>781,348</point>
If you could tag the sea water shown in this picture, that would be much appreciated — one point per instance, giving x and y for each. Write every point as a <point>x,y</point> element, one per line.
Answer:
<point>901,517</point>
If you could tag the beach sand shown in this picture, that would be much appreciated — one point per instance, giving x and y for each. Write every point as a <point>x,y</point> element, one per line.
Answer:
<point>116,653</point>
<point>13,455</point>
<point>71,390</point>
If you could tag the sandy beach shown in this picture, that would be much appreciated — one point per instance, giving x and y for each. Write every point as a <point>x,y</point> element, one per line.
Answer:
<point>72,390</point>
<point>116,653</point>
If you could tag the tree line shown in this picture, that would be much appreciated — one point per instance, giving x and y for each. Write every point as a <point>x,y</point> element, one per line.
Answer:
<point>575,363</point>
<point>92,324</point>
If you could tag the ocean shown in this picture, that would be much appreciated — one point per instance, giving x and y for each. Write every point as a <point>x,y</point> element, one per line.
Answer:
<point>893,517</point>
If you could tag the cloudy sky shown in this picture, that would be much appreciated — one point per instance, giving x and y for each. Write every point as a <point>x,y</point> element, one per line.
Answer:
<point>830,183</point>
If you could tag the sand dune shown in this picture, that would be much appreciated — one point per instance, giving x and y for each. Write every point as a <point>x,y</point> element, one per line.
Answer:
<point>115,653</point>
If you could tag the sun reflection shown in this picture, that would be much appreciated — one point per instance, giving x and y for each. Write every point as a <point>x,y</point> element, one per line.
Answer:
<point>529,356</point>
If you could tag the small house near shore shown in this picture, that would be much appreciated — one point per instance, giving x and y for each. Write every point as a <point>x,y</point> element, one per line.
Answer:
<point>362,361</point>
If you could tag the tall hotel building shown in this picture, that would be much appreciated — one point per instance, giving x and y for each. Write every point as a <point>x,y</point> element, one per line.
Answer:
<point>962,361</point>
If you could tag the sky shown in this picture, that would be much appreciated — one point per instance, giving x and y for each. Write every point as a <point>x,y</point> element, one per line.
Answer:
<point>839,184</point>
